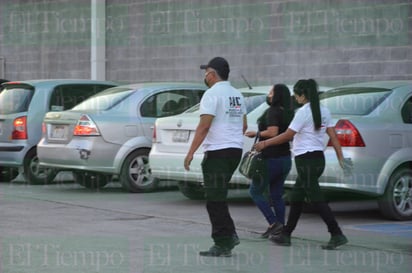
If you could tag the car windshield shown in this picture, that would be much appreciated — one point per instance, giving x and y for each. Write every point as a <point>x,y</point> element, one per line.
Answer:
<point>252,100</point>
<point>15,100</point>
<point>353,101</point>
<point>104,100</point>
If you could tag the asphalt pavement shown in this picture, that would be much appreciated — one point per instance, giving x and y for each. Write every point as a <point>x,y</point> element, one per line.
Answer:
<point>66,228</point>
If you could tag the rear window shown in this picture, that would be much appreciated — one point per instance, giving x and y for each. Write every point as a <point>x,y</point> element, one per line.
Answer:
<point>252,101</point>
<point>104,100</point>
<point>353,101</point>
<point>15,100</point>
<point>68,95</point>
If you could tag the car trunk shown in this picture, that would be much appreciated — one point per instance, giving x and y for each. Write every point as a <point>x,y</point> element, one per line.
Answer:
<point>177,133</point>
<point>60,126</point>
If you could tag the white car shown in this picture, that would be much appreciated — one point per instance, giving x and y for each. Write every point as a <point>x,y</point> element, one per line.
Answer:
<point>173,136</point>
<point>374,126</point>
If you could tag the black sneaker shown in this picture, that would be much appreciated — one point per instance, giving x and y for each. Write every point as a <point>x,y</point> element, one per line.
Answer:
<point>281,239</point>
<point>235,241</point>
<point>266,233</point>
<point>273,230</point>
<point>335,241</point>
<point>216,251</point>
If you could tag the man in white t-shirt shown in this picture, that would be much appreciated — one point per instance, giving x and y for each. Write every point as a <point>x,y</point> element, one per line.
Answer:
<point>221,128</point>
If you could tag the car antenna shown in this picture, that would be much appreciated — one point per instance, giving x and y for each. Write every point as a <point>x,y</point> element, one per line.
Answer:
<point>243,77</point>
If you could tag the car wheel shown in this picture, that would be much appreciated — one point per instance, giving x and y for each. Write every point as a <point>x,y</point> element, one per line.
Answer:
<point>136,175</point>
<point>34,173</point>
<point>7,174</point>
<point>396,203</point>
<point>193,191</point>
<point>91,180</point>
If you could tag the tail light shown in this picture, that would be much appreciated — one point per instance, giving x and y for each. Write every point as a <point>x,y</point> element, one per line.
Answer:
<point>85,127</point>
<point>19,128</point>
<point>348,134</point>
<point>154,134</point>
<point>43,128</point>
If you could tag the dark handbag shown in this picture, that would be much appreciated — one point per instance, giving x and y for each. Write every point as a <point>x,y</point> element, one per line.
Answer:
<point>252,163</point>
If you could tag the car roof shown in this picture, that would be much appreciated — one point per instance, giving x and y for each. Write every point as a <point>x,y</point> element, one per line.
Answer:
<point>379,84</point>
<point>51,82</point>
<point>265,88</point>
<point>157,85</point>
<point>261,89</point>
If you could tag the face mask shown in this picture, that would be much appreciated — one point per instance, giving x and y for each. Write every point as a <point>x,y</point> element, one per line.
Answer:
<point>207,84</point>
<point>268,101</point>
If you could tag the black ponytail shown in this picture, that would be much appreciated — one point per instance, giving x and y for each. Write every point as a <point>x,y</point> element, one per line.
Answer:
<point>309,88</point>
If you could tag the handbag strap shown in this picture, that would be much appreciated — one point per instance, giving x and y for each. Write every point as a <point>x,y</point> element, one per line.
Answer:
<point>256,138</point>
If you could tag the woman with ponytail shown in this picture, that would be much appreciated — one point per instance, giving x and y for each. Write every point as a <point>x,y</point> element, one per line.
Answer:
<point>307,129</point>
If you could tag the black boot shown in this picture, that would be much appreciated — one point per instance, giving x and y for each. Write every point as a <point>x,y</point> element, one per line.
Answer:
<point>335,241</point>
<point>282,239</point>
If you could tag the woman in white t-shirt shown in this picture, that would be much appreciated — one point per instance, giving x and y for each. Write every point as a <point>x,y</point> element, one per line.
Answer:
<point>308,128</point>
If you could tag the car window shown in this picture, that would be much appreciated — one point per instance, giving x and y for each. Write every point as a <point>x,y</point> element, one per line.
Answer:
<point>407,111</point>
<point>15,100</point>
<point>252,101</point>
<point>105,100</point>
<point>170,103</point>
<point>66,96</point>
<point>353,101</point>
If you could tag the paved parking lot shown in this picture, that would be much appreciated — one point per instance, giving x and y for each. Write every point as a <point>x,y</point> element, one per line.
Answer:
<point>66,228</point>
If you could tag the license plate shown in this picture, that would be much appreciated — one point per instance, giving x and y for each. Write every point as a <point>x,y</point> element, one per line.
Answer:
<point>181,136</point>
<point>58,132</point>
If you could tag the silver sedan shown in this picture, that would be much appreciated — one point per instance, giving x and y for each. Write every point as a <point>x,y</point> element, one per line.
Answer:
<point>111,133</point>
<point>374,126</point>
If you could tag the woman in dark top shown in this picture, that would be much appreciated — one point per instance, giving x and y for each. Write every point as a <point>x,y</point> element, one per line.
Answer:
<point>274,121</point>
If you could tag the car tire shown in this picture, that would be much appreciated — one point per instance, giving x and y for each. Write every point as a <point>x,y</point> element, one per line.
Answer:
<point>91,180</point>
<point>136,175</point>
<point>7,174</point>
<point>193,191</point>
<point>33,173</point>
<point>396,203</point>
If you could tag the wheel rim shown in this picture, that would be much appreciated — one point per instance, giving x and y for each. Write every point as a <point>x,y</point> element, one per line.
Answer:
<point>402,194</point>
<point>37,170</point>
<point>139,171</point>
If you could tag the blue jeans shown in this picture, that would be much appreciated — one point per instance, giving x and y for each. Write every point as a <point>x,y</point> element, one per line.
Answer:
<point>273,180</point>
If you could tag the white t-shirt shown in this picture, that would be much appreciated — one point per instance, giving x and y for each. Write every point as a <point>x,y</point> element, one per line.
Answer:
<point>227,105</point>
<point>307,139</point>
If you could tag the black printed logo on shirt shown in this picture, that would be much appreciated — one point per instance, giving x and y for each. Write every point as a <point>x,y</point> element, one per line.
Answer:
<point>234,102</point>
<point>235,109</point>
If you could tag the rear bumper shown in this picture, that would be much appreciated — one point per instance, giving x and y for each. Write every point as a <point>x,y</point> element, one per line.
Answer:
<point>362,179</point>
<point>12,155</point>
<point>168,166</point>
<point>88,154</point>
<point>11,149</point>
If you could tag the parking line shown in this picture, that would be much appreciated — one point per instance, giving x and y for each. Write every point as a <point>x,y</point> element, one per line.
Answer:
<point>402,229</point>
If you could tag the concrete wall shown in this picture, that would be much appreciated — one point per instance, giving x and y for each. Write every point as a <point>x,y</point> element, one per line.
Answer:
<point>334,42</point>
